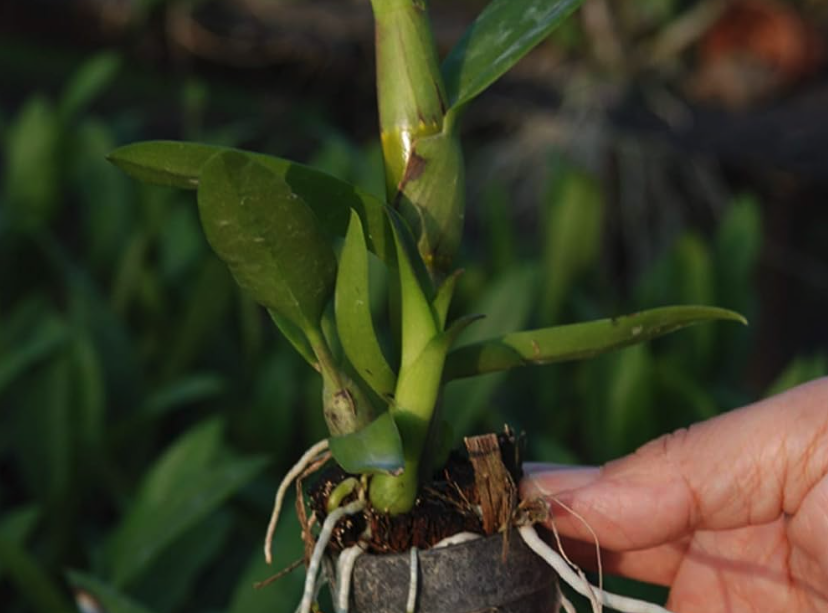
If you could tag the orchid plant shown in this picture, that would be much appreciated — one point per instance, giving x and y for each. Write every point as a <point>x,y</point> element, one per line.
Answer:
<point>278,225</point>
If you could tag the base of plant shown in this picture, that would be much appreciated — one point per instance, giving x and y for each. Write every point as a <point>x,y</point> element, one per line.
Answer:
<point>468,545</point>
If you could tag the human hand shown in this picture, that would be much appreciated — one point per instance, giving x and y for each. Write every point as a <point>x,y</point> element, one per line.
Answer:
<point>731,514</point>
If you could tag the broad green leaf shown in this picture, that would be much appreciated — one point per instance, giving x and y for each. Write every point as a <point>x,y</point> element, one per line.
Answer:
<point>177,164</point>
<point>35,586</point>
<point>165,163</point>
<point>576,341</point>
<point>112,600</point>
<point>190,481</point>
<point>501,35</point>
<point>354,321</point>
<point>268,236</point>
<point>88,83</point>
<point>377,448</point>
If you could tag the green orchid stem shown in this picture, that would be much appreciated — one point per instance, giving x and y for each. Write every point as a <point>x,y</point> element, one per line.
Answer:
<point>415,399</point>
<point>422,154</point>
<point>395,494</point>
<point>410,90</point>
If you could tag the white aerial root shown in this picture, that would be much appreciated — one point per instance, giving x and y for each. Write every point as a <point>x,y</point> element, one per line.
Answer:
<point>309,594</point>
<point>318,585</point>
<point>456,539</point>
<point>594,601</point>
<point>344,572</point>
<point>567,605</point>
<point>411,603</point>
<point>309,456</point>
<point>554,559</point>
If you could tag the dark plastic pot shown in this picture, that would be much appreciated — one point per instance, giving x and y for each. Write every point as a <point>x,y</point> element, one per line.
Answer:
<point>468,578</point>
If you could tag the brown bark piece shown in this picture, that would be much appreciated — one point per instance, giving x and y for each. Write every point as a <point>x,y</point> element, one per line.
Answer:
<point>495,487</point>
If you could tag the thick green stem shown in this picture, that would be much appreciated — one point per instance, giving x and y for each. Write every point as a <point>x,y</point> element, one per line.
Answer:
<point>410,89</point>
<point>415,399</point>
<point>423,159</point>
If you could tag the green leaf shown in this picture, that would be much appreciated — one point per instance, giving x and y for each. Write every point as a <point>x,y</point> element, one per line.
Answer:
<point>176,164</point>
<point>629,412</point>
<point>16,526</point>
<point>354,322</point>
<point>50,335</point>
<point>110,598</point>
<point>284,593</point>
<point>170,582</point>
<point>501,35</point>
<point>507,304</point>
<point>190,481</point>
<point>419,321</point>
<point>88,83</point>
<point>576,341</point>
<point>34,585</point>
<point>295,337</point>
<point>799,370</point>
<point>33,166</point>
<point>572,238</point>
<point>738,243</point>
<point>376,448</point>
<point>268,236</point>
<point>164,163</point>
<point>442,299</point>
<point>193,388</point>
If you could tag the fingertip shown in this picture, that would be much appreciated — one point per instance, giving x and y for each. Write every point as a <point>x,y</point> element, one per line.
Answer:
<point>546,480</point>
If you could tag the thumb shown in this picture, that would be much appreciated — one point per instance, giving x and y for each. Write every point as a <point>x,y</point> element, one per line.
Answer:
<point>746,467</point>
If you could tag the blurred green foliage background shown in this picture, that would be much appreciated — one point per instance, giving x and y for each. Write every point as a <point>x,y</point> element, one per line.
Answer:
<point>148,409</point>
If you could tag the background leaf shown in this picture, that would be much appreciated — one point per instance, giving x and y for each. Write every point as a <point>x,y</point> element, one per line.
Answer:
<point>183,488</point>
<point>110,598</point>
